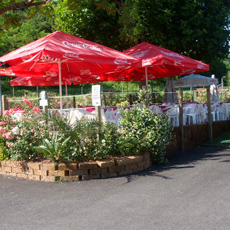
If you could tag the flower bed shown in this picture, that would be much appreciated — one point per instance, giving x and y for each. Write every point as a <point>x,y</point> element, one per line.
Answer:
<point>51,171</point>
<point>27,136</point>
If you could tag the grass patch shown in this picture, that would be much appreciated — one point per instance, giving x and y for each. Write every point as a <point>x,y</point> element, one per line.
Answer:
<point>222,140</point>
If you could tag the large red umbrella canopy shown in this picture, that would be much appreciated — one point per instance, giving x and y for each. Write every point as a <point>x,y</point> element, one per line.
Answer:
<point>61,54</point>
<point>157,62</point>
<point>78,57</point>
<point>50,81</point>
<point>36,81</point>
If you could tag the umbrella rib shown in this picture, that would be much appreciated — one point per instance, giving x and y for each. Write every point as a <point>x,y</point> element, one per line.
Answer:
<point>159,66</point>
<point>67,64</point>
<point>33,64</point>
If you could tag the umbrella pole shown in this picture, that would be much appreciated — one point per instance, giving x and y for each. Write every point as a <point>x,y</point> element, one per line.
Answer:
<point>146,78</point>
<point>60,82</point>
<point>210,130</point>
<point>37,93</point>
<point>181,116</point>
<point>146,83</point>
<point>37,90</point>
<point>66,93</point>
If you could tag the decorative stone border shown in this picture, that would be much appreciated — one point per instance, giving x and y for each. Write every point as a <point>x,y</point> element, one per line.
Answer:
<point>76,171</point>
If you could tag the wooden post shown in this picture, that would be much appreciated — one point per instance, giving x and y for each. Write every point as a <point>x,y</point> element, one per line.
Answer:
<point>60,82</point>
<point>104,98</point>
<point>74,102</point>
<point>210,132</point>
<point>98,118</point>
<point>181,122</point>
<point>130,99</point>
<point>98,113</point>
<point>38,93</point>
<point>5,105</point>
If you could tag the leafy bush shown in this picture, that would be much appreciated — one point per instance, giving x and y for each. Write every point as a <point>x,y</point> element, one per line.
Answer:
<point>88,140</point>
<point>36,137</point>
<point>142,131</point>
<point>3,153</point>
<point>19,134</point>
<point>53,149</point>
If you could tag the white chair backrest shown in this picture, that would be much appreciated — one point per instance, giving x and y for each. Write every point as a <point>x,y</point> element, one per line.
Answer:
<point>189,109</point>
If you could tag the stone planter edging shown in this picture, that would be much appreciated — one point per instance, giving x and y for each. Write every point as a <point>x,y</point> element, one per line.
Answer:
<point>76,171</point>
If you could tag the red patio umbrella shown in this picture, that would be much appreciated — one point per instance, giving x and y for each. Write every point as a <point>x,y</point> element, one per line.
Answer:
<point>50,81</point>
<point>156,62</point>
<point>61,54</point>
<point>36,81</point>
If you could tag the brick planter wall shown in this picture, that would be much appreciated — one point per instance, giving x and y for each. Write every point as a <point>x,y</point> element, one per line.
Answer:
<point>195,135</point>
<point>76,171</point>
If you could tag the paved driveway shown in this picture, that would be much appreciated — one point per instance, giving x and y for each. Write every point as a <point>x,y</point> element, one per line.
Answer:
<point>192,192</point>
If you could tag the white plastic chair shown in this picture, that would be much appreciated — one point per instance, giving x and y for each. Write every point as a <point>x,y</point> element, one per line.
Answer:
<point>214,111</point>
<point>112,116</point>
<point>201,114</point>
<point>173,114</point>
<point>224,111</point>
<point>191,114</point>
<point>155,109</point>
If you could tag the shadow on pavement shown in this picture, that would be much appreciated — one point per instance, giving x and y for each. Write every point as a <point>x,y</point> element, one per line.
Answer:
<point>184,159</point>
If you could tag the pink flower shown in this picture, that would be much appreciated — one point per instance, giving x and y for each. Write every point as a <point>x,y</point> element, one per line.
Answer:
<point>8,135</point>
<point>36,109</point>
<point>2,130</point>
<point>28,102</point>
<point>12,111</point>
<point>7,112</point>
<point>2,123</point>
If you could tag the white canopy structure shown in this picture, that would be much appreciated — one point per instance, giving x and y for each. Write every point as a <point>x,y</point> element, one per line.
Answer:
<point>195,80</point>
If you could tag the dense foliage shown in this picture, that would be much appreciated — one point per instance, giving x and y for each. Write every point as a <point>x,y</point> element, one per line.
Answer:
<point>198,29</point>
<point>31,136</point>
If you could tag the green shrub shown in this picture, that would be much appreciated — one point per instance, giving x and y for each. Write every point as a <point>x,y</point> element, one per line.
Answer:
<point>53,149</point>
<point>20,137</point>
<point>33,139</point>
<point>142,131</point>
<point>3,153</point>
<point>88,140</point>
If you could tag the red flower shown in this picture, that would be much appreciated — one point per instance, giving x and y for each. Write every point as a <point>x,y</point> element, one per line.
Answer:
<point>36,109</point>
<point>28,102</point>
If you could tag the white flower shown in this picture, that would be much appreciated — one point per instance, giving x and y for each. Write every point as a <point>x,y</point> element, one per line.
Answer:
<point>15,130</point>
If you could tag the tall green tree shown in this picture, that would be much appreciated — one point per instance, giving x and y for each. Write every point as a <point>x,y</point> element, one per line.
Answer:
<point>27,31</point>
<point>199,29</point>
<point>195,28</point>
<point>85,19</point>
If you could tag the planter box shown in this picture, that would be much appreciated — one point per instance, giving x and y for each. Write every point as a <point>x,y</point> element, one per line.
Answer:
<point>78,171</point>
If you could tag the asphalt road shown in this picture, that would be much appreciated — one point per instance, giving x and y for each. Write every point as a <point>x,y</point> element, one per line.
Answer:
<point>192,192</point>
